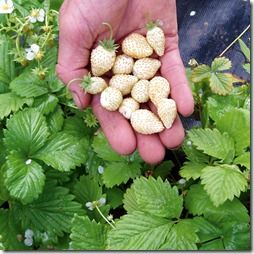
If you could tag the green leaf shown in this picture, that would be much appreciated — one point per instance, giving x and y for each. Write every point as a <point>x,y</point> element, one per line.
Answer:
<point>213,245</point>
<point>200,73</point>
<point>191,170</point>
<point>247,67</point>
<point>87,235</point>
<point>50,58</point>
<point>10,102</point>
<point>55,120</point>
<point>218,105</point>
<point>51,212</point>
<point>223,182</point>
<point>243,160</point>
<point>115,197</point>
<point>104,150</point>
<point>158,197</point>
<point>87,189</point>
<point>4,77</point>
<point>130,200</point>
<point>116,173</point>
<point>206,231</point>
<point>163,169</point>
<point>28,85</point>
<point>198,202</point>
<point>45,103</point>
<point>221,64</point>
<point>139,231</point>
<point>4,194</point>
<point>26,132</point>
<point>193,154</point>
<point>213,143</point>
<point>75,126</point>
<point>24,178</point>
<point>236,236</point>
<point>182,236</point>
<point>9,230</point>
<point>7,65</point>
<point>236,122</point>
<point>221,83</point>
<point>54,84</point>
<point>63,152</point>
<point>56,4</point>
<point>245,50</point>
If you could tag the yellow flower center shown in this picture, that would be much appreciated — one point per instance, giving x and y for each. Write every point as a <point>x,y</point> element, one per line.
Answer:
<point>39,56</point>
<point>5,6</point>
<point>35,13</point>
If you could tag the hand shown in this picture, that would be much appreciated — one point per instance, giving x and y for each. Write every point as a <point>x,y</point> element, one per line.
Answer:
<point>80,30</point>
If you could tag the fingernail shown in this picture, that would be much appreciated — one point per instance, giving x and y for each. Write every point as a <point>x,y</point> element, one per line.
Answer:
<point>77,100</point>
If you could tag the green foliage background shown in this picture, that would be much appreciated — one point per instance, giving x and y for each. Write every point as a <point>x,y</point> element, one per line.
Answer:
<point>54,161</point>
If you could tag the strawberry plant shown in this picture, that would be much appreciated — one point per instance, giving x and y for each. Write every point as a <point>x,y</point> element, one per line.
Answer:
<point>62,186</point>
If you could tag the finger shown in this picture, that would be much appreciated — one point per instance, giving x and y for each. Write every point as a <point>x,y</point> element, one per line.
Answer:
<point>73,53</point>
<point>173,137</point>
<point>80,97</point>
<point>173,70</point>
<point>150,148</point>
<point>115,127</point>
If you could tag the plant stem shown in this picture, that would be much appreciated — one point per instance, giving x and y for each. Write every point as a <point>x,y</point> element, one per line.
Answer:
<point>101,214</point>
<point>110,29</point>
<point>73,80</point>
<point>234,41</point>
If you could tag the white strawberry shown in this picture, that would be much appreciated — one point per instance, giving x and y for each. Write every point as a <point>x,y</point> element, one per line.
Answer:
<point>128,106</point>
<point>123,82</point>
<point>167,111</point>
<point>140,91</point>
<point>158,88</point>
<point>136,46</point>
<point>103,56</point>
<point>93,85</point>
<point>123,65</point>
<point>146,68</point>
<point>145,122</point>
<point>111,99</point>
<point>156,38</point>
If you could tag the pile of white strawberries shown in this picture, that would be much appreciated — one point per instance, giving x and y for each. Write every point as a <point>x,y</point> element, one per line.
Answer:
<point>134,80</point>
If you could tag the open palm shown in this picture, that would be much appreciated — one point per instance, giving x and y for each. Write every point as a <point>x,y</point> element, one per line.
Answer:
<point>80,30</point>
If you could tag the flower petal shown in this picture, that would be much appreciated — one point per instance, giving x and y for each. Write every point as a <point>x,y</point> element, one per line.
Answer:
<point>30,55</point>
<point>35,48</point>
<point>32,19</point>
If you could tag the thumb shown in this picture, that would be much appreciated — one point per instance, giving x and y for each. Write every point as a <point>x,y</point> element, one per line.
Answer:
<point>73,54</point>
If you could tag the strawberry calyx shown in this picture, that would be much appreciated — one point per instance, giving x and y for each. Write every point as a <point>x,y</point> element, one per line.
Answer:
<point>109,44</point>
<point>152,24</point>
<point>87,81</point>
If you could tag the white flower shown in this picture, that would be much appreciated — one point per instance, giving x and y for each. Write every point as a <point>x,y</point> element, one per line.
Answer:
<point>45,237</point>
<point>182,181</point>
<point>101,170</point>
<point>89,205</point>
<point>102,201</point>
<point>28,241</point>
<point>32,52</point>
<point>6,6</point>
<point>28,162</point>
<point>98,203</point>
<point>192,13</point>
<point>29,233</point>
<point>36,15</point>
<point>110,217</point>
